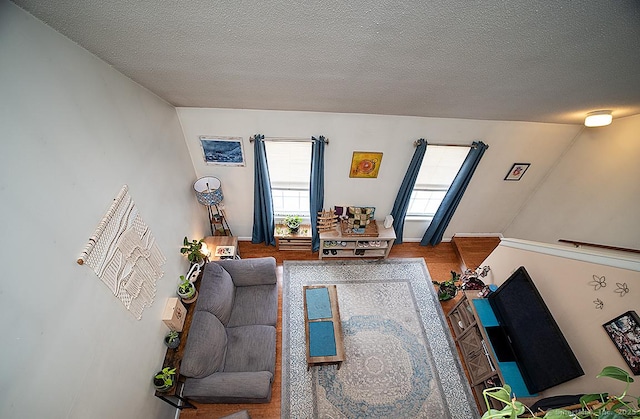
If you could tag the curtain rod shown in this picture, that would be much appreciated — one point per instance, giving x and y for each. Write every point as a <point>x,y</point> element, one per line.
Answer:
<point>284,139</point>
<point>415,144</point>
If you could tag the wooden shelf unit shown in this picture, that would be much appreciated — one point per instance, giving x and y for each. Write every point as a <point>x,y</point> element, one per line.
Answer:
<point>476,351</point>
<point>356,246</point>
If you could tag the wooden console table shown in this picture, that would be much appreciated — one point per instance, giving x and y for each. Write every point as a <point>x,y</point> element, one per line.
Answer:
<point>173,358</point>
<point>285,240</point>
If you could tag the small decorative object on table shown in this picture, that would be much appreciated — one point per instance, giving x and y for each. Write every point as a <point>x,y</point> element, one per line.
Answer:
<point>471,279</point>
<point>225,252</point>
<point>293,222</point>
<point>172,339</point>
<point>164,379</point>
<point>327,220</point>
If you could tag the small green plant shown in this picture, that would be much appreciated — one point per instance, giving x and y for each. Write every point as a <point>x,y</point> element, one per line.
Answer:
<point>292,221</point>
<point>172,339</point>
<point>186,289</point>
<point>594,406</point>
<point>193,250</point>
<point>163,380</point>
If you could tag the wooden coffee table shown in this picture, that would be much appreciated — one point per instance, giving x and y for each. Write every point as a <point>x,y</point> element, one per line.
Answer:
<point>322,327</point>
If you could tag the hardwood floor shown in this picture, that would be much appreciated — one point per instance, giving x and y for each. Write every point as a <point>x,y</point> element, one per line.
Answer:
<point>440,260</point>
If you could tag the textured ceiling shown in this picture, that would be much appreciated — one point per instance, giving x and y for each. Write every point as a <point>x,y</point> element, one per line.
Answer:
<point>523,60</point>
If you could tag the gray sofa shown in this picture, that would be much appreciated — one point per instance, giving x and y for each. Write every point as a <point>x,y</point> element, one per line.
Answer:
<point>230,354</point>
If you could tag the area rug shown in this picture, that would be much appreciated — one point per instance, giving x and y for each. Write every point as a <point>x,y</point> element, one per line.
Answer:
<point>400,359</point>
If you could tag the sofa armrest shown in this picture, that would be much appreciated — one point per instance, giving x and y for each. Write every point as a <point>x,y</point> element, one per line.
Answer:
<point>230,387</point>
<point>254,271</point>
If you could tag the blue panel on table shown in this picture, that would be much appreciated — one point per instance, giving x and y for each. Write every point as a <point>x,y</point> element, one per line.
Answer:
<point>510,371</point>
<point>322,340</point>
<point>318,303</point>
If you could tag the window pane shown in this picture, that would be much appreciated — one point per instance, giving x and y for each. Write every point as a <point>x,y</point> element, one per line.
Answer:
<point>439,168</point>
<point>289,163</point>
<point>289,171</point>
<point>425,202</point>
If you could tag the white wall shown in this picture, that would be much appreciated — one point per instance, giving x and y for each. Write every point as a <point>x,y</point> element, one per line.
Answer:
<point>73,131</point>
<point>489,205</point>
<point>564,284</point>
<point>593,194</point>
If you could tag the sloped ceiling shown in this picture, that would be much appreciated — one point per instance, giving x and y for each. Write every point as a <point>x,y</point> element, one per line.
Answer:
<point>522,60</point>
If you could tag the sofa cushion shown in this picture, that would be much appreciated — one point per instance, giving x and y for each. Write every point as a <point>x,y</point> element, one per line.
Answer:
<point>206,345</point>
<point>252,271</point>
<point>255,305</point>
<point>230,387</point>
<point>251,348</point>
<point>216,292</point>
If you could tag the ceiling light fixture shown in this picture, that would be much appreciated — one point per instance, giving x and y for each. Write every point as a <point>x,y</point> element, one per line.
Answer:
<point>598,119</point>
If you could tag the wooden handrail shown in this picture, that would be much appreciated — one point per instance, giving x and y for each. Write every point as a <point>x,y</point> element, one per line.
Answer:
<point>601,246</point>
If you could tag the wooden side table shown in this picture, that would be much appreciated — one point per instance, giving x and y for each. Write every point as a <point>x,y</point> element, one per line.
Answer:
<point>213,242</point>
<point>285,240</point>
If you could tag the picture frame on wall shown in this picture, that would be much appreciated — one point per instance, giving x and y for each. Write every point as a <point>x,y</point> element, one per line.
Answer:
<point>624,332</point>
<point>225,151</point>
<point>365,164</point>
<point>517,171</point>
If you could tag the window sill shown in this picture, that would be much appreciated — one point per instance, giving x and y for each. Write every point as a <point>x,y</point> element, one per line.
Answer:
<point>418,218</point>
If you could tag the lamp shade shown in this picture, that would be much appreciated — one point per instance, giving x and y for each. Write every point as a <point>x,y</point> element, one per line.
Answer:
<point>208,190</point>
<point>598,119</point>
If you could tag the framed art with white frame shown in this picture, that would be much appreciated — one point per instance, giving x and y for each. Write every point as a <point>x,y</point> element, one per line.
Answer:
<point>226,151</point>
<point>516,171</point>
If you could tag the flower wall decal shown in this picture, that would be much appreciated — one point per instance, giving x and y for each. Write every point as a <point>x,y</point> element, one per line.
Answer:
<point>622,289</point>
<point>598,282</point>
<point>599,303</point>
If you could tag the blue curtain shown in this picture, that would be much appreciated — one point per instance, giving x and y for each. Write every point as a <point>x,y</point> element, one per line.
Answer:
<point>263,218</point>
<point>401,203</point>
<point>447,208</point>
<point>316,188</point>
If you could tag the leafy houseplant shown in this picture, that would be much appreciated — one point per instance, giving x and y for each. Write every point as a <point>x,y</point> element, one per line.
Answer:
<point>186,290</point>
<point>594,406</point>
<point>193,250</point>
<point>164,379</point>
<point>172,340</point>
<point>293,222</point>
<point>447,289</point>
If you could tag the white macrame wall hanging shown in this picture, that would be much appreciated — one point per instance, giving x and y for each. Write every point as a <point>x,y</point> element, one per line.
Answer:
<point>124,255</point>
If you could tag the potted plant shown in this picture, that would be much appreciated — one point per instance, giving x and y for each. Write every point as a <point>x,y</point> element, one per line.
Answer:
<point>447,289</point>
<point>193,250</point>
<point>187,290</point>
<point>293,222</point>
<point>593,405</point>
<point>164,379</point>
<point>172,339</point>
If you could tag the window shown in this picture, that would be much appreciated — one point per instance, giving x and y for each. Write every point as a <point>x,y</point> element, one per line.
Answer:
<point>290,172</point>
<point>439,167</point>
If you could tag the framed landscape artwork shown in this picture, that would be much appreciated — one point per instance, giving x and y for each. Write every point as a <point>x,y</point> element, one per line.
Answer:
<point>365,164</point>
<point>624,331</point>
<point>517,171</point>
<point>226,151</point>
